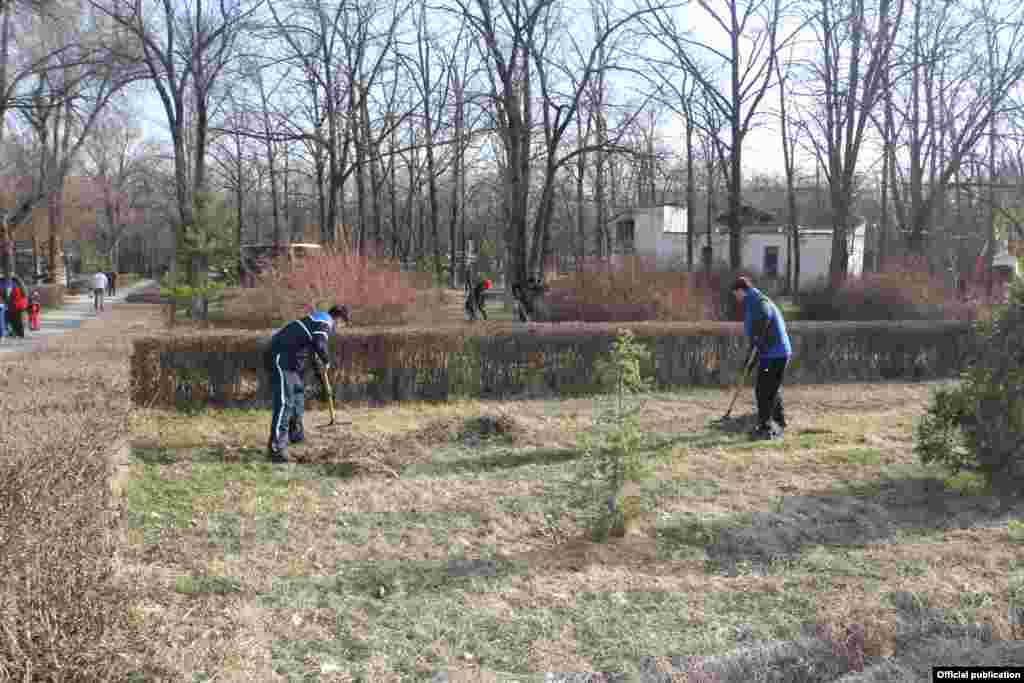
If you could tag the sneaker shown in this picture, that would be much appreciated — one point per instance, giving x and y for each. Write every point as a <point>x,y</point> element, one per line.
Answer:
<point>278,457</point>
<point>763,433</point>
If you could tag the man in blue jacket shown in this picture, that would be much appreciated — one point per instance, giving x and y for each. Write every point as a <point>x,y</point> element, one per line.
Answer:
<point>764,324</point>
<point>285,360</point>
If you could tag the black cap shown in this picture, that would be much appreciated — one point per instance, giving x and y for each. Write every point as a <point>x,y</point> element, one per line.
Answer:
<point>742,282</point>
<point>339,311</point>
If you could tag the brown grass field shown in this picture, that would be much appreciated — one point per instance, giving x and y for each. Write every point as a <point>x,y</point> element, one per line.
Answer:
<point>420,538</point>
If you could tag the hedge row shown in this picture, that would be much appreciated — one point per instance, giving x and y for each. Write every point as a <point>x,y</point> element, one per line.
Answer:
<point>502,360</point>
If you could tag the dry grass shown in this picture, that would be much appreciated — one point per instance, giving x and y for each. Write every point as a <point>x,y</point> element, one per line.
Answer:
<point>474,561</point>
<point>61,604</point>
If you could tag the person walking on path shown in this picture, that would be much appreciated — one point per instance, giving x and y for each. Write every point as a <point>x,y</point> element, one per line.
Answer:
<point>99,288</point>
<point>764,324</point>
<point>112,283</point>
<point>285,360</point>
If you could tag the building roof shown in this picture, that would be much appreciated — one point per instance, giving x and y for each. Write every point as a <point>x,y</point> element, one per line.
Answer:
<point>749,215</point>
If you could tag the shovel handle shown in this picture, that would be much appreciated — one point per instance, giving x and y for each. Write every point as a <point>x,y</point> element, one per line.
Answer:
<point>330,392</point>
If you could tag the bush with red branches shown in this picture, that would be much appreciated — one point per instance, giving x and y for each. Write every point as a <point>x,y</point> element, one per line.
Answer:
<point>634,289</point>
<point>904,289</point>
<point>376,290</point>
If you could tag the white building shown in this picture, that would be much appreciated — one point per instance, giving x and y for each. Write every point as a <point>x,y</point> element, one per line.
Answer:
<point>657,232</point>
<point>660,232</point>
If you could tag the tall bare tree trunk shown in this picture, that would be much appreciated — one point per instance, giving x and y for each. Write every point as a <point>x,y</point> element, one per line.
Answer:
<point>691,193</point>
<point>581,171</point>
<point>457,162</point>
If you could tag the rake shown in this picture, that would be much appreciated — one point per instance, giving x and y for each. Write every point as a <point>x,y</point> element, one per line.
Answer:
<point>739,384</point>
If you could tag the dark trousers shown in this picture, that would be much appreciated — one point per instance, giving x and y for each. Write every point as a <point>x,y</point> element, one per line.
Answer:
<point>475,307</point>
<point>289,401</point>
<point>768,390</point>
<point>15,323</point>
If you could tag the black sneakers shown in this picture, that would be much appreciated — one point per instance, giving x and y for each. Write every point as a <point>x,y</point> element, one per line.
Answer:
<point>277,457</point>
<point>766,432</point>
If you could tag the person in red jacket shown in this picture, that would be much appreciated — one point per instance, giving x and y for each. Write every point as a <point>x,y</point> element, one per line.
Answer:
<point>33,310</point>
<point>475,299</point>
<point>17,303</point>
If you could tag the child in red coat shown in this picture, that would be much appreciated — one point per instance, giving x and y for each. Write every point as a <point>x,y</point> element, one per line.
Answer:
<point>33,310</point>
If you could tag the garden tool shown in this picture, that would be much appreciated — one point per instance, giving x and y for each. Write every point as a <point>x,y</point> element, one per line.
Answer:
<point>326,382</point>
<point>739,385</point>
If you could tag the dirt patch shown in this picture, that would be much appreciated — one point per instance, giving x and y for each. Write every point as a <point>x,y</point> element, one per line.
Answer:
<point>849,520</point>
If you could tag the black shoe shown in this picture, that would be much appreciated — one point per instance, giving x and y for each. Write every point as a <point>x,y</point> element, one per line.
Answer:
<point>278,457</point>
<point>763,433</point>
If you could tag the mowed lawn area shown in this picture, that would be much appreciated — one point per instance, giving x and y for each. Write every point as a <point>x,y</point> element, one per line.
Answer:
<point>443,542</point>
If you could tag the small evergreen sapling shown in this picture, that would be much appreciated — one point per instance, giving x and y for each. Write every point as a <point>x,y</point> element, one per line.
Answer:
<point>612,452</point>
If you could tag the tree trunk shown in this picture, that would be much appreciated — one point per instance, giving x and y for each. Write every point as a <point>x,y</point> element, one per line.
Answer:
<point>691,194</point>
<point>581,170</point>
<point>356,131</point>
<point>457,162</point>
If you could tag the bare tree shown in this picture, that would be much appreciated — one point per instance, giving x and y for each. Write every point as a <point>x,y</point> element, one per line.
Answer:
<point>185,50</point>
<point>234,163</point>
<point>788,149</point>
<point>962,72</point>
<point>119,160</point>
<point>751,30</point>
<point>75,73</point>
<point>855,43</point>
<point>528,46</point>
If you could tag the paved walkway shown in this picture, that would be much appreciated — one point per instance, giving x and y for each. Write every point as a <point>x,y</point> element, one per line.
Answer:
<point>76,308</point>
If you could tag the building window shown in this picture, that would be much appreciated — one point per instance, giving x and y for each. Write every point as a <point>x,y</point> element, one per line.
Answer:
<point>771,262</point>
<point>624,236</point>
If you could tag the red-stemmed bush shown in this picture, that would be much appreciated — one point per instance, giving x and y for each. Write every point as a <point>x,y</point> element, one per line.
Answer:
<point>633,289</point>
<point>376,291</point>
<point>904,289</point>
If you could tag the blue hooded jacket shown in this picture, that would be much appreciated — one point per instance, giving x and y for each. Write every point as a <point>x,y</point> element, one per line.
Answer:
<point>759,310</point>
<point>294,341</point>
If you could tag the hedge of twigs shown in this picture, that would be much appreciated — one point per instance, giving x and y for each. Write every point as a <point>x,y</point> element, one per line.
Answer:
<point>501,360</point>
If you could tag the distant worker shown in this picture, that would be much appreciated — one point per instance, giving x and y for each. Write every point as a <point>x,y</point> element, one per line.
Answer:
<point>285,360</point>
<point>528,297</point>
<point>475,296</point>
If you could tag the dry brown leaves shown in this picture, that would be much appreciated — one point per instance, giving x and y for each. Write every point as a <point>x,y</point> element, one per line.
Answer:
<point>67,408</point>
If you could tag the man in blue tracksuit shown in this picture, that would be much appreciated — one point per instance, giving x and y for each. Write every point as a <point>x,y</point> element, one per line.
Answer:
<point>764,324</point>
<point>286,361</point>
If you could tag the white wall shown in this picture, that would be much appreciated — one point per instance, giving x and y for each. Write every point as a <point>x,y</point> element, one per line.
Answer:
<point>661,232</point>
<point>658,232</point>
<point>645,232</point>
<point>815,254</point>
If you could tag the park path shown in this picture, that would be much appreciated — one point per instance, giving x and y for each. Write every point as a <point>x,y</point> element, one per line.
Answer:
<point>76,309</point>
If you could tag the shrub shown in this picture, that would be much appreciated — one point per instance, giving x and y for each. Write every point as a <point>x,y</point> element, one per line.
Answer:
<point>376,291</point>
<point>633,289</point>
<point>63,610</point>
<point>903,290</point>
<point>979,424</point>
